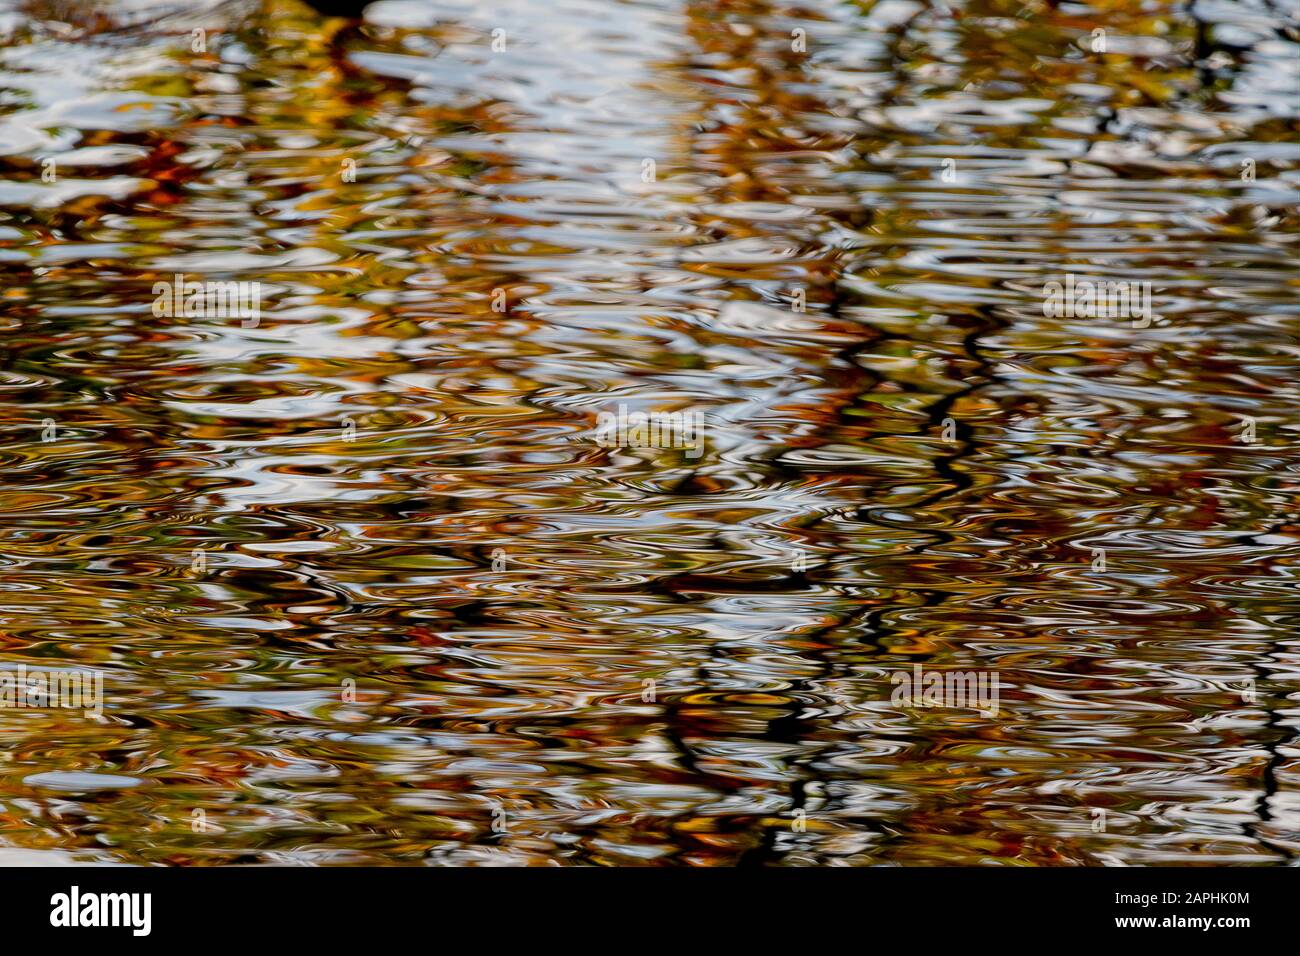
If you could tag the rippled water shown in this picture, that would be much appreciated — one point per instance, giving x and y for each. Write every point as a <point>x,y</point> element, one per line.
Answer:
<point>364,588</point>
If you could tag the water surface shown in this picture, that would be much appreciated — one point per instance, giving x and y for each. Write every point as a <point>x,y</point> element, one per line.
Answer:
<point>363,587</point>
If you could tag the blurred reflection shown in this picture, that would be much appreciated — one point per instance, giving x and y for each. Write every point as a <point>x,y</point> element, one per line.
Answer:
<point>365,589</point>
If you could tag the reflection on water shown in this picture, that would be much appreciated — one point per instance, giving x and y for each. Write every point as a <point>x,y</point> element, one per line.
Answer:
<point>363,587</point>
